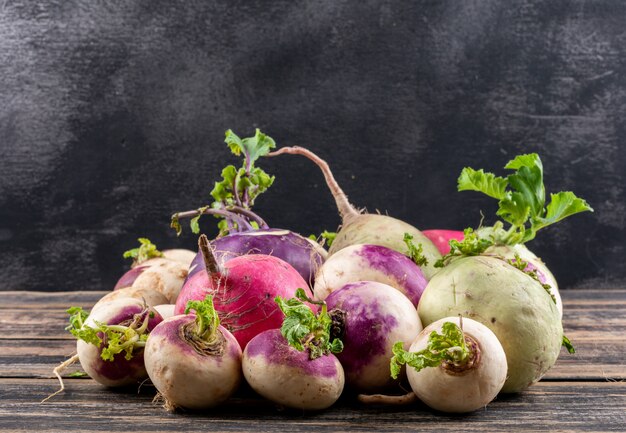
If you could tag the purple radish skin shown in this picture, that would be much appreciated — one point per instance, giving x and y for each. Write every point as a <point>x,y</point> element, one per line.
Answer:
<point>370,263</point>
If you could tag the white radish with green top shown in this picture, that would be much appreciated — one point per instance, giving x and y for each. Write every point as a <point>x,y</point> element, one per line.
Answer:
<point>192,361</point>
<point>454,365</point>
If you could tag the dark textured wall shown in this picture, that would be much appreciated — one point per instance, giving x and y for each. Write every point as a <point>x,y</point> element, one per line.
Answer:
<point>112,116</point>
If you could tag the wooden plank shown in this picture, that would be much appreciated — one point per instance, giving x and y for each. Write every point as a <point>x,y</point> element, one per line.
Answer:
<point>88,407</point>
<point>20,300</point>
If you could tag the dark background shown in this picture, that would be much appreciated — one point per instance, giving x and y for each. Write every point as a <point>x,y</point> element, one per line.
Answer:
<point>112,116</point>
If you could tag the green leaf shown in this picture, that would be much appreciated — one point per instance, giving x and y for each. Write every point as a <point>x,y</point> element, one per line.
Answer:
<point>303,329</point>
<point>562,205</point>
<point>207,320</point>
<point>252,147</point>
<point>147,250</point>
<point>415,253</point>
<point>78,374</point>
<point>568,345</point>
<point>478,180</point>
<point>471,245</point>
<point>175,224</point>
<point>448,346</point>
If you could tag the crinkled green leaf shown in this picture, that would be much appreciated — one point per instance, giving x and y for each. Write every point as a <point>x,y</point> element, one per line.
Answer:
<point>252,147</point>
<point>415,253</point>
<point>175,224</point>
<point>448,346</point>
<point>478,180</point>
<point>562,205</point>
<point>568,345</point>
<point>146,250</point>
<point>207,320</point>
<point>471,245</point>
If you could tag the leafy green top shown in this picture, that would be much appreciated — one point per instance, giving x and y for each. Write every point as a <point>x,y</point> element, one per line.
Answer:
<point>326,236</point>
<point>111,339</point>
<point>304,330</point>
<point>415,253</point>
<point>146,250</point>
<point>449,346</point>
<point>471,245</point>
<point>521,198</point>
<point>235,194</point>
<point>207,320</point>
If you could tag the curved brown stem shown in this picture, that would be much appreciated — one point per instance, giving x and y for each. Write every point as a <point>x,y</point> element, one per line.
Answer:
<point>210,262</point>
<point>346,210</point>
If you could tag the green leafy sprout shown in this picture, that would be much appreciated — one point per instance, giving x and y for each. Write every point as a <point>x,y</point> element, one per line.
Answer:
<point>326,236</point>
<point>449,346</point>
<point>522,199</point>
<point>146,250</point>
<point>111,339</point>
<point>415,253</point>
<point>207,320</point>
<point>471,245</point>
<point>234,195</point>
<point>304,330</point>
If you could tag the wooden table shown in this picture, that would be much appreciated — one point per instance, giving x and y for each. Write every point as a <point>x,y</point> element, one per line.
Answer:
<point>585,391</point>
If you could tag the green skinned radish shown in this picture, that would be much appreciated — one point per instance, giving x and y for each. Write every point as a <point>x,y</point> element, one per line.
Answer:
<point>364,228</point>
<point>518,310</point>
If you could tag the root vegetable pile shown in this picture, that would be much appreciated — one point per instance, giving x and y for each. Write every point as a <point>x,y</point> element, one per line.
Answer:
<point>304,326</point>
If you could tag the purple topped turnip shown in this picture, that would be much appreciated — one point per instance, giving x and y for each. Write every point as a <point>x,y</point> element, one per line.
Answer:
<point>453,368</point>
<point>193,361</point>
<point>241,230</point>
<point>111,340</point>
<point>370,263</point>
<point>364,228</point>
<point>243,290</point>
<point>295,366</point>
<point>369,318</point>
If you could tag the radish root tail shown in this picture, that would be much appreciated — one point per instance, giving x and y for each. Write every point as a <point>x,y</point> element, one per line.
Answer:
<point>57,372</point>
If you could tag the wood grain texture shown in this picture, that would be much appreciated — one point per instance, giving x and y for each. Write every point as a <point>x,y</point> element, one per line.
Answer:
<point>113,115</point>
<point>583,392</point>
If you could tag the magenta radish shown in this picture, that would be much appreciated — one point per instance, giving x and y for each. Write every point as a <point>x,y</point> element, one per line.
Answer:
<point>364,228</point>
<point>454,365</point>
<point>370,317</point>
<point>295,367</point>
<point>243,291</point>
<point>193,361</point>
<point>370,263</point>
<point>441,238</point>
<point>111,340</point>
<point>241,230</point>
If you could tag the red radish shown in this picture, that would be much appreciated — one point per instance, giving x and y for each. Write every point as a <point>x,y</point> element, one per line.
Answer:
<point>243,291</point>
<point>111,340</point>
<point>441,238</point>
<point>364,228</point>
<point>193,361</point>
<point>370,318</point>
<point>370,263</point>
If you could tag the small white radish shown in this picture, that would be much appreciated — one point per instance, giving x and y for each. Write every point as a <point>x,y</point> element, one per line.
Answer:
<point>454,368</point>
<point>165,310</point>
<point>193,361</point>
<point>295,366</point>
<point>166,276</point>
<point>149,296</point>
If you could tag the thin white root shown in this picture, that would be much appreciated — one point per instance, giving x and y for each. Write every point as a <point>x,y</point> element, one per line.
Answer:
<point>57,372</point>
<point>395,400</point>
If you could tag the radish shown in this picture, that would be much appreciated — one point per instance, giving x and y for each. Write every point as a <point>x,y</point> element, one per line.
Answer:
<point>111,340</point>
<point>370,317</point>
<point>511,303</point>
<point>244,289</point>
<point>364,228</point>
<point>441,238</point>
<point>193,361</point>
<point>241,230</point>
<point>295,366</point>
<point>370,263</point>
<point>149,296</point>
<point>453,368</point>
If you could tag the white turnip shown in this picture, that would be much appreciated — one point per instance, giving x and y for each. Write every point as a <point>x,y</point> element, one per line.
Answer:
<point>454,365</point>
<point>193,361</point>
